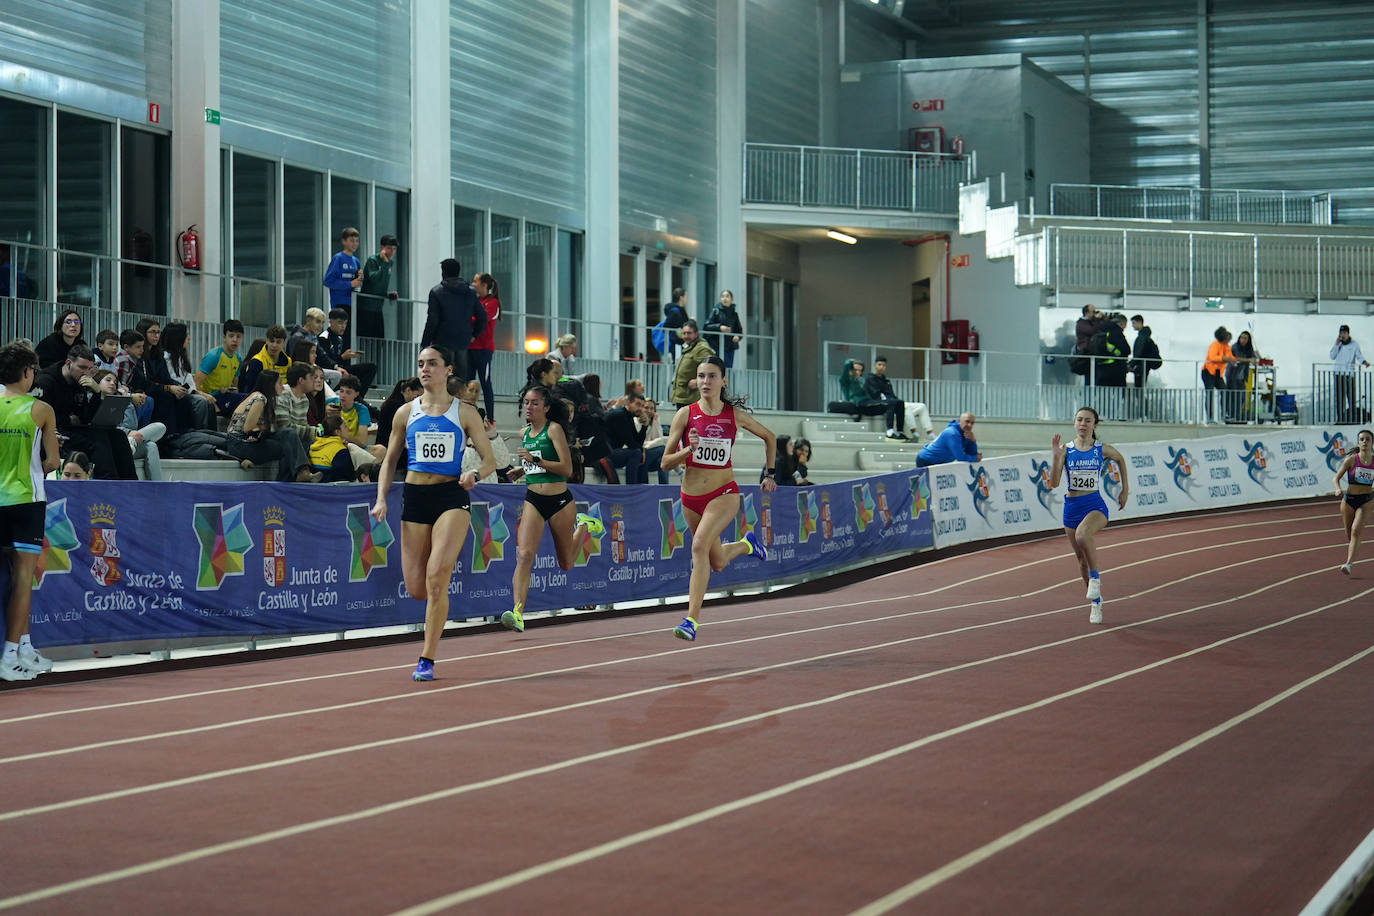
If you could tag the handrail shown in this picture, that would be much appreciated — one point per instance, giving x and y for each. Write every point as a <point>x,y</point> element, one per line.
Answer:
<point>1172,202</point>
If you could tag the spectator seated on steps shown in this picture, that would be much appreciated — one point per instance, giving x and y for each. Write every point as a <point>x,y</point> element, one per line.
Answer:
<point>357,422</point>
<point>329,452</point>
<point>854,400</point>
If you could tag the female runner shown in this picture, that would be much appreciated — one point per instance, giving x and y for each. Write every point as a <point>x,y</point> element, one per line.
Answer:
<point>1358,471</point>
<point>710,496</point>
<point>1085,512</point>
<point>434,501</point>
<point>547,463</point>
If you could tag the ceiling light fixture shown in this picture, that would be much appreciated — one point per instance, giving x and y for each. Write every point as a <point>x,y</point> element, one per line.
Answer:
<point>839,236</point>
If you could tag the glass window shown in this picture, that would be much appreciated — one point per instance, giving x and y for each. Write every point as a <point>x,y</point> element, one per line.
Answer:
<point>707,294</point>
<point>348,210</point>
<point>469,237</point>
<point>505,263</point>
<point>303,247</point>
<point>570,280</point>
<point>539,283</point>
<point>145,216</point>
<point>392,211</point>
<point>255,243</point>
<point>628,335</point>
<point>23,199</point>
<point>83,207</point>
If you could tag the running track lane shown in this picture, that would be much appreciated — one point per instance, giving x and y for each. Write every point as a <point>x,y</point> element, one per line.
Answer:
<point>973,765</point>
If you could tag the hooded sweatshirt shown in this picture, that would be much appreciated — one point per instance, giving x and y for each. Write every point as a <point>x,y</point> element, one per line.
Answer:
<point>455,315</point>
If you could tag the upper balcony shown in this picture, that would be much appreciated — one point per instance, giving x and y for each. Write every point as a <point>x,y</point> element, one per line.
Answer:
<point>1191,205</point>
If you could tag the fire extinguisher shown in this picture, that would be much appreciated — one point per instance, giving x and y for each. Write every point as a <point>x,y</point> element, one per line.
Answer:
<point>973,341</point>
<point>188,248</point>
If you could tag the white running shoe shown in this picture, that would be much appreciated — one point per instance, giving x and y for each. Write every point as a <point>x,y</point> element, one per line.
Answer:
<point>12,670</point>
<point>31,659</point>
<point>1094,589</point>
<point>1095,615</point>
<point>1346,569</point>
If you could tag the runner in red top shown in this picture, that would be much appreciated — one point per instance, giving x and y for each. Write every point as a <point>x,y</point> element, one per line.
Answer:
<point>710,496</point>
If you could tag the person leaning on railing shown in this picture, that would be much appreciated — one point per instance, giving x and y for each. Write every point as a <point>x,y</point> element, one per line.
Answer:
<point>955,443</point>
<point>1345,353</point>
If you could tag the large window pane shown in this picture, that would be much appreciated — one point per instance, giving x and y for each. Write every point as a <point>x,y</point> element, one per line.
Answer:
<point>83,207</point>
<point>348,210</point>
<point>469,228</point>
<point>303,248</point>
<point>23,199</point>
<point>505,262</point>
<point>539,283</point>
<point>629,338</point>
<point>570,280</point>
<point>145,230</point>
<point>707,294</point>
<point>255,243</point>
<point>393,218</point>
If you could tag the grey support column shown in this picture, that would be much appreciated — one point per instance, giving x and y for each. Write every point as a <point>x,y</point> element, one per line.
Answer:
<point>196,154</point>
<point>602,251</point>
<point>730,258</point>
<point>431,166</point>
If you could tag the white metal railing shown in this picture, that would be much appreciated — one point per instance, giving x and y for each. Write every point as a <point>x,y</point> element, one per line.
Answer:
<point>1230,205</point>
<point>818,176</point>
<point>1192,263</point>
<point>1341,395</point>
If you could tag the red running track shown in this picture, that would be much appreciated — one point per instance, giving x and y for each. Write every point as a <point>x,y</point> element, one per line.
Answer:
<point>954,737</point>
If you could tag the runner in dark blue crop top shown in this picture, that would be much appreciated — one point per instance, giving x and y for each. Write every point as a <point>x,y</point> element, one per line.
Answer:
<point>1085,512</point>
<point>434,502</point>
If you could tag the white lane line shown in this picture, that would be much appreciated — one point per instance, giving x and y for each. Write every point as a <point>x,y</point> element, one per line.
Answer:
<point>1338,893</point>
<point>434,691</point>
<point>595,852</point>
<point>658,629</point>
<point>1054,816</point>
<point>371,745</point>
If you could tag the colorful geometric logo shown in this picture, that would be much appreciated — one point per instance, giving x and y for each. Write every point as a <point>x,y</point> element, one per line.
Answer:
<point>920,493</point>
<point>370,540</point>
<point>1256,460</point>
<point>747,519</point>
<point>864,506</point>
<point>809,514</point>
<point>590,545</point>
<point>224,541</point>
<point>1040,474</point>
<point>104,548</point>
<point>672,524</point>
<point>274,546</point>
<point>884,515</point>
<point>1181,463</point>
<point>980,488</point>
<point>1333,449</point>
<point>489,534</point>
<point>617,530</point>
<point>59,539</point>
<point>1111,480</point>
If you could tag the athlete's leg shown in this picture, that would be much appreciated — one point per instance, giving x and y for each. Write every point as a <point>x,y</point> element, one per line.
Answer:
<point>1093,523</point>
<point>1356,533</point>
<point>1083,567</point>
<point>446,540</point>
<point>21,565</point>
<point>1347,517</point>
<point>415,546</point>
<point>567,533</point>
<point>706,529</point>
<point>527,537</point>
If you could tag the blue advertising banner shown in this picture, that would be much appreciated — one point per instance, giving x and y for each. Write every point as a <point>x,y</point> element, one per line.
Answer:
<point>132,560</point>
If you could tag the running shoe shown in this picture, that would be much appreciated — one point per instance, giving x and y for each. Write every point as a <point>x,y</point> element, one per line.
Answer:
<point>594,526</point>
<point>1095,615</point>
<point>29,658</point>
<point>11,669</point>
<point>513,619</point>
<point>1347,569</point>
<point>755,545</point>
<point>1094,589</point>
<point>424,670</point>
<point>686,630</point>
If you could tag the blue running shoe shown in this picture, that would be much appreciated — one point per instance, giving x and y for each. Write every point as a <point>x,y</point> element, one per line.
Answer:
<point>756,545</point>
<point>593,524</point>
<point>686,630</point>
<point>424,670</point>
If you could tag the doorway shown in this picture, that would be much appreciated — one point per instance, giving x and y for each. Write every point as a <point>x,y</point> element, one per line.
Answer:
<point>920,326</point>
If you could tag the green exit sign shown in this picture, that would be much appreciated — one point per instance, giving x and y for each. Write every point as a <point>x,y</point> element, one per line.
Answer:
<point>1213,302</point>
<point>212,116</point>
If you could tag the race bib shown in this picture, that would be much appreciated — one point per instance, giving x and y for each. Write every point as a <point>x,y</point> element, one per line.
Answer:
<point>1364,476</point>
<point>435,447</point>
<point>532,467</point>
<point>1082,480</point>
<point>712,452</point>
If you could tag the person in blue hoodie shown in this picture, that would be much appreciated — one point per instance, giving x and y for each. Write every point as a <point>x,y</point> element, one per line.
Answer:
<point>342,275</point>
<point>955,443</point>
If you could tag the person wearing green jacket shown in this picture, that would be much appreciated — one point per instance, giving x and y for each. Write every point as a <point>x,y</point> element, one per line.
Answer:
<point>854,396</point>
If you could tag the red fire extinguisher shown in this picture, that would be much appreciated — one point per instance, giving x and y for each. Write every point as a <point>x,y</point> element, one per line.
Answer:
<point>972,340</point>
<point>188,248</point>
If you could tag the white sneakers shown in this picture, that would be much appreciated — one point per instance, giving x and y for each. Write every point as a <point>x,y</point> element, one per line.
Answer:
<point>1347,569</point>
<point>1095,615</point>
<point>29,658</point>
<point>1094,589</point>
<point>12,670</point>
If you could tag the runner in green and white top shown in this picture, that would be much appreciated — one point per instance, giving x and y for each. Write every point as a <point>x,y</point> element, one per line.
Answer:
<point>547,462</point>
<point>26,423</point>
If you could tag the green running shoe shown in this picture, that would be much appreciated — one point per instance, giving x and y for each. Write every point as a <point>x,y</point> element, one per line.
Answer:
<point>594,526</point>
<point>513,619</point>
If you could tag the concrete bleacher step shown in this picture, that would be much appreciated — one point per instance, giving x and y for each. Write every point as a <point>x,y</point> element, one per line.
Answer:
<point>217,469</point>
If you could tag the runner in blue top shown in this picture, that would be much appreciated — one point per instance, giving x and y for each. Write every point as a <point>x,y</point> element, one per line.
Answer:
<point>1085,511</point>
<point>434,501</point>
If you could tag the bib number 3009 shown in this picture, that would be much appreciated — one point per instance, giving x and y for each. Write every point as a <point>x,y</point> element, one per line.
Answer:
<point>712,452</point>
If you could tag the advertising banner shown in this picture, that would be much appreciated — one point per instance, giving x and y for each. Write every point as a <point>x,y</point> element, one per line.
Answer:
<point>1012,495</point>
<point>131,560</point>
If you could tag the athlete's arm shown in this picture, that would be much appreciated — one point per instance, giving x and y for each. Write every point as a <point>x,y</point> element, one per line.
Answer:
<point>472,428</point>
<point>1112,454</point>
<point>1058,451</point>
<point>770,445</point>
<point>1341,471</point>
<point>563,466</point>
<point>46,420</point>
<point>394,446</point>
<point>671,460</point>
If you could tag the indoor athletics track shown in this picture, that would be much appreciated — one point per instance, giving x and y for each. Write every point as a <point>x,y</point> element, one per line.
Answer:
<point>950,737</point>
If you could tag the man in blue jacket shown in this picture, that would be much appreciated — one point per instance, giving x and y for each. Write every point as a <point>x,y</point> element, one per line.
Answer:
<point>955,443</point>
<point>342,276</point>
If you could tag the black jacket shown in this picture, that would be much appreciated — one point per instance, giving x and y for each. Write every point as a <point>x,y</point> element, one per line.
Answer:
<point>878,388</point>
<point>455,316</point>
<point>721,327</point>
<point>1145,352</point>
<point>73,404</point>
<point>620,429</point>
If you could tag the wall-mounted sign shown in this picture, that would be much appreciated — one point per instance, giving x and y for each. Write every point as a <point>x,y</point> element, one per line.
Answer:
<point>154,112</point>
<point>212,116</point>
<point>959,260</point>
<point>928,105</point>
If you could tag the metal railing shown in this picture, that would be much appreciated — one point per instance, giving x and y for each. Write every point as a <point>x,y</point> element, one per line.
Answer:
<point>1057,393</point>
<point>1341,394</point>
<point>819,176</point>
<point>1191,263</point>
<point>1228,205</point>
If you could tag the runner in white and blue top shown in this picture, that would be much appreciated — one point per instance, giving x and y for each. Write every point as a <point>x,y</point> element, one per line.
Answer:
<point>434,500</point>
<point>1085,511</point>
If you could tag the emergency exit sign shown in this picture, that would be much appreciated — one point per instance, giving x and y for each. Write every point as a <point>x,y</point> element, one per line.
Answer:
<point>959,260</point>
<point>212,116</point>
